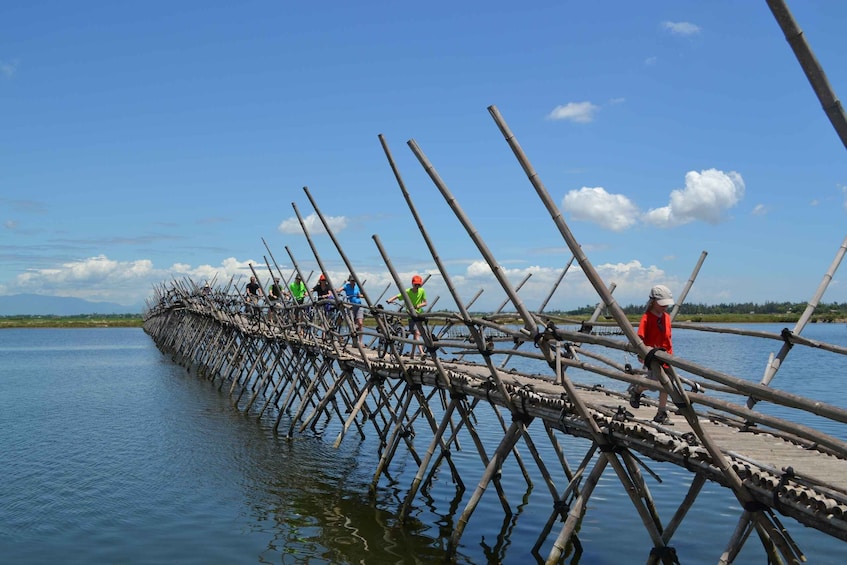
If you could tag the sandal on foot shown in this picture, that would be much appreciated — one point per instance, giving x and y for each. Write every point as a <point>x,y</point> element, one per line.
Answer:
<point>662,417</point>
<point>634,396</point>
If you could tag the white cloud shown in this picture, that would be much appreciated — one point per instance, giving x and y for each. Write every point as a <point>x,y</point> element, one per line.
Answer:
<point>650,61</point>
<point>611,211</point>
<point>759,210</point>
<point>706,197</point>
<point>313,225</point>
<point>96,278</point>
<point>478,269</point>
<point>681,28</point>
<point>124,282</point>
<point>580,112</point>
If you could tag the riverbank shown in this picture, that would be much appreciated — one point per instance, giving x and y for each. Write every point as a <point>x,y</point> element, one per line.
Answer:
<point>86,321</point>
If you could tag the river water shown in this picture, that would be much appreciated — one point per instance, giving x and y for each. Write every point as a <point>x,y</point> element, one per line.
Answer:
<point>111,453</point>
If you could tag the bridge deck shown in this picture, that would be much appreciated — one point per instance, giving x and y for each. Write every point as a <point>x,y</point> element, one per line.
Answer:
<point>791,475</point>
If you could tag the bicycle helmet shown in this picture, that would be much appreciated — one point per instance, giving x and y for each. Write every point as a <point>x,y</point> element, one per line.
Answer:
<point>322,277</point>
<point>417,280</point>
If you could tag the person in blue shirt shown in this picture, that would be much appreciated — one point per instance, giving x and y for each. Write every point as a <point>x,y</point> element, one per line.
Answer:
<point>354,297</point>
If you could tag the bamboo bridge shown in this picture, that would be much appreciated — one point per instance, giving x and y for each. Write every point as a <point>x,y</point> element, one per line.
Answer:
<point>300,365</point>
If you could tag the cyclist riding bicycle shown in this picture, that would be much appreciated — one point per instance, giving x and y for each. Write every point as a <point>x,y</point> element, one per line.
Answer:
<point>417,296</point>
<point>354,296</point>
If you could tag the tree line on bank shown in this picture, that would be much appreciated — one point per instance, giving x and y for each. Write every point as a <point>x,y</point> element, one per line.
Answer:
<point>833,309</point>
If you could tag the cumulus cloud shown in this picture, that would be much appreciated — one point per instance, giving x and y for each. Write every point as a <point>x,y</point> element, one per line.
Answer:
<point>477,269</point>
<point>580,112</point>
<point>313,225</point>
<point>706,197</point>
<point>97,278</point>
<point>611,211</point>
<point>124,282</point>
<point>633,281</point>
<point>681,28</point>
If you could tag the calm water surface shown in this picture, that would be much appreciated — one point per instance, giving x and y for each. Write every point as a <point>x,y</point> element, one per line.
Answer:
<point>113,454</point>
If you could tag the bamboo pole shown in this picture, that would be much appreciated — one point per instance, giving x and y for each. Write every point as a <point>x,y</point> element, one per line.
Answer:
<point>775,362</point>
<point>576,512</point>
<point>811,67</point>
<point>506,445</point>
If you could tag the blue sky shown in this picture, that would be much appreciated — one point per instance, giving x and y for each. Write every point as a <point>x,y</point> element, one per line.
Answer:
<point>146,142</point>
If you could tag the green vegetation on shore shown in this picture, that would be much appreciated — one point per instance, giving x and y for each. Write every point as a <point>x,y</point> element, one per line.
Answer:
<point>82,321</point>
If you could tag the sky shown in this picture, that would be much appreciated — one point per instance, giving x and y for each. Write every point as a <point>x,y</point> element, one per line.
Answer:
<point>181,141</point>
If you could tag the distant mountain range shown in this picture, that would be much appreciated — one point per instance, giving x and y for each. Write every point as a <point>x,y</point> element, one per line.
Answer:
<point>43,305</point>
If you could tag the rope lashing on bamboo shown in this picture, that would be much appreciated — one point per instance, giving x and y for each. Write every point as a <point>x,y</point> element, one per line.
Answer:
<point>651,355</point>
<point>522,417</point>
<point>690,438</point>
<point>754,506</point>
<point>622,415</point>
<point>786,337</point>
<point>376,379</point>
<point>562,507</point>
<point>550,331</point>
<point>665,554</point>
<point>788,474</point>
<point>488,385</point>
<point>611,447</point>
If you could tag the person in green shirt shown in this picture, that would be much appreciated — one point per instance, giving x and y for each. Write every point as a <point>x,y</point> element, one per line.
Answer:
<point>297,289</point>
<point>417,296</point>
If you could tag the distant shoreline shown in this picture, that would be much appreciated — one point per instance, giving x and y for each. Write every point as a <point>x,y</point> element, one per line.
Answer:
<point>86,321</point>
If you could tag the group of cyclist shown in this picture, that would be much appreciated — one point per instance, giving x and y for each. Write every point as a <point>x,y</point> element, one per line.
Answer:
<point>322,291</point>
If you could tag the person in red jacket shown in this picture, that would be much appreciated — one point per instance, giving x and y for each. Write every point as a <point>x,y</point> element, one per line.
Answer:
<point>654,329</point>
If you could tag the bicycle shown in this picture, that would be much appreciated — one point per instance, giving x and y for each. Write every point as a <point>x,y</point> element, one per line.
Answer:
<point>335,321</point>
<point>395,328</point>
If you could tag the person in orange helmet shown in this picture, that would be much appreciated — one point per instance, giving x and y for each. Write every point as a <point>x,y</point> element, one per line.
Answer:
<point>322,289</point>
<point>417,296</point>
